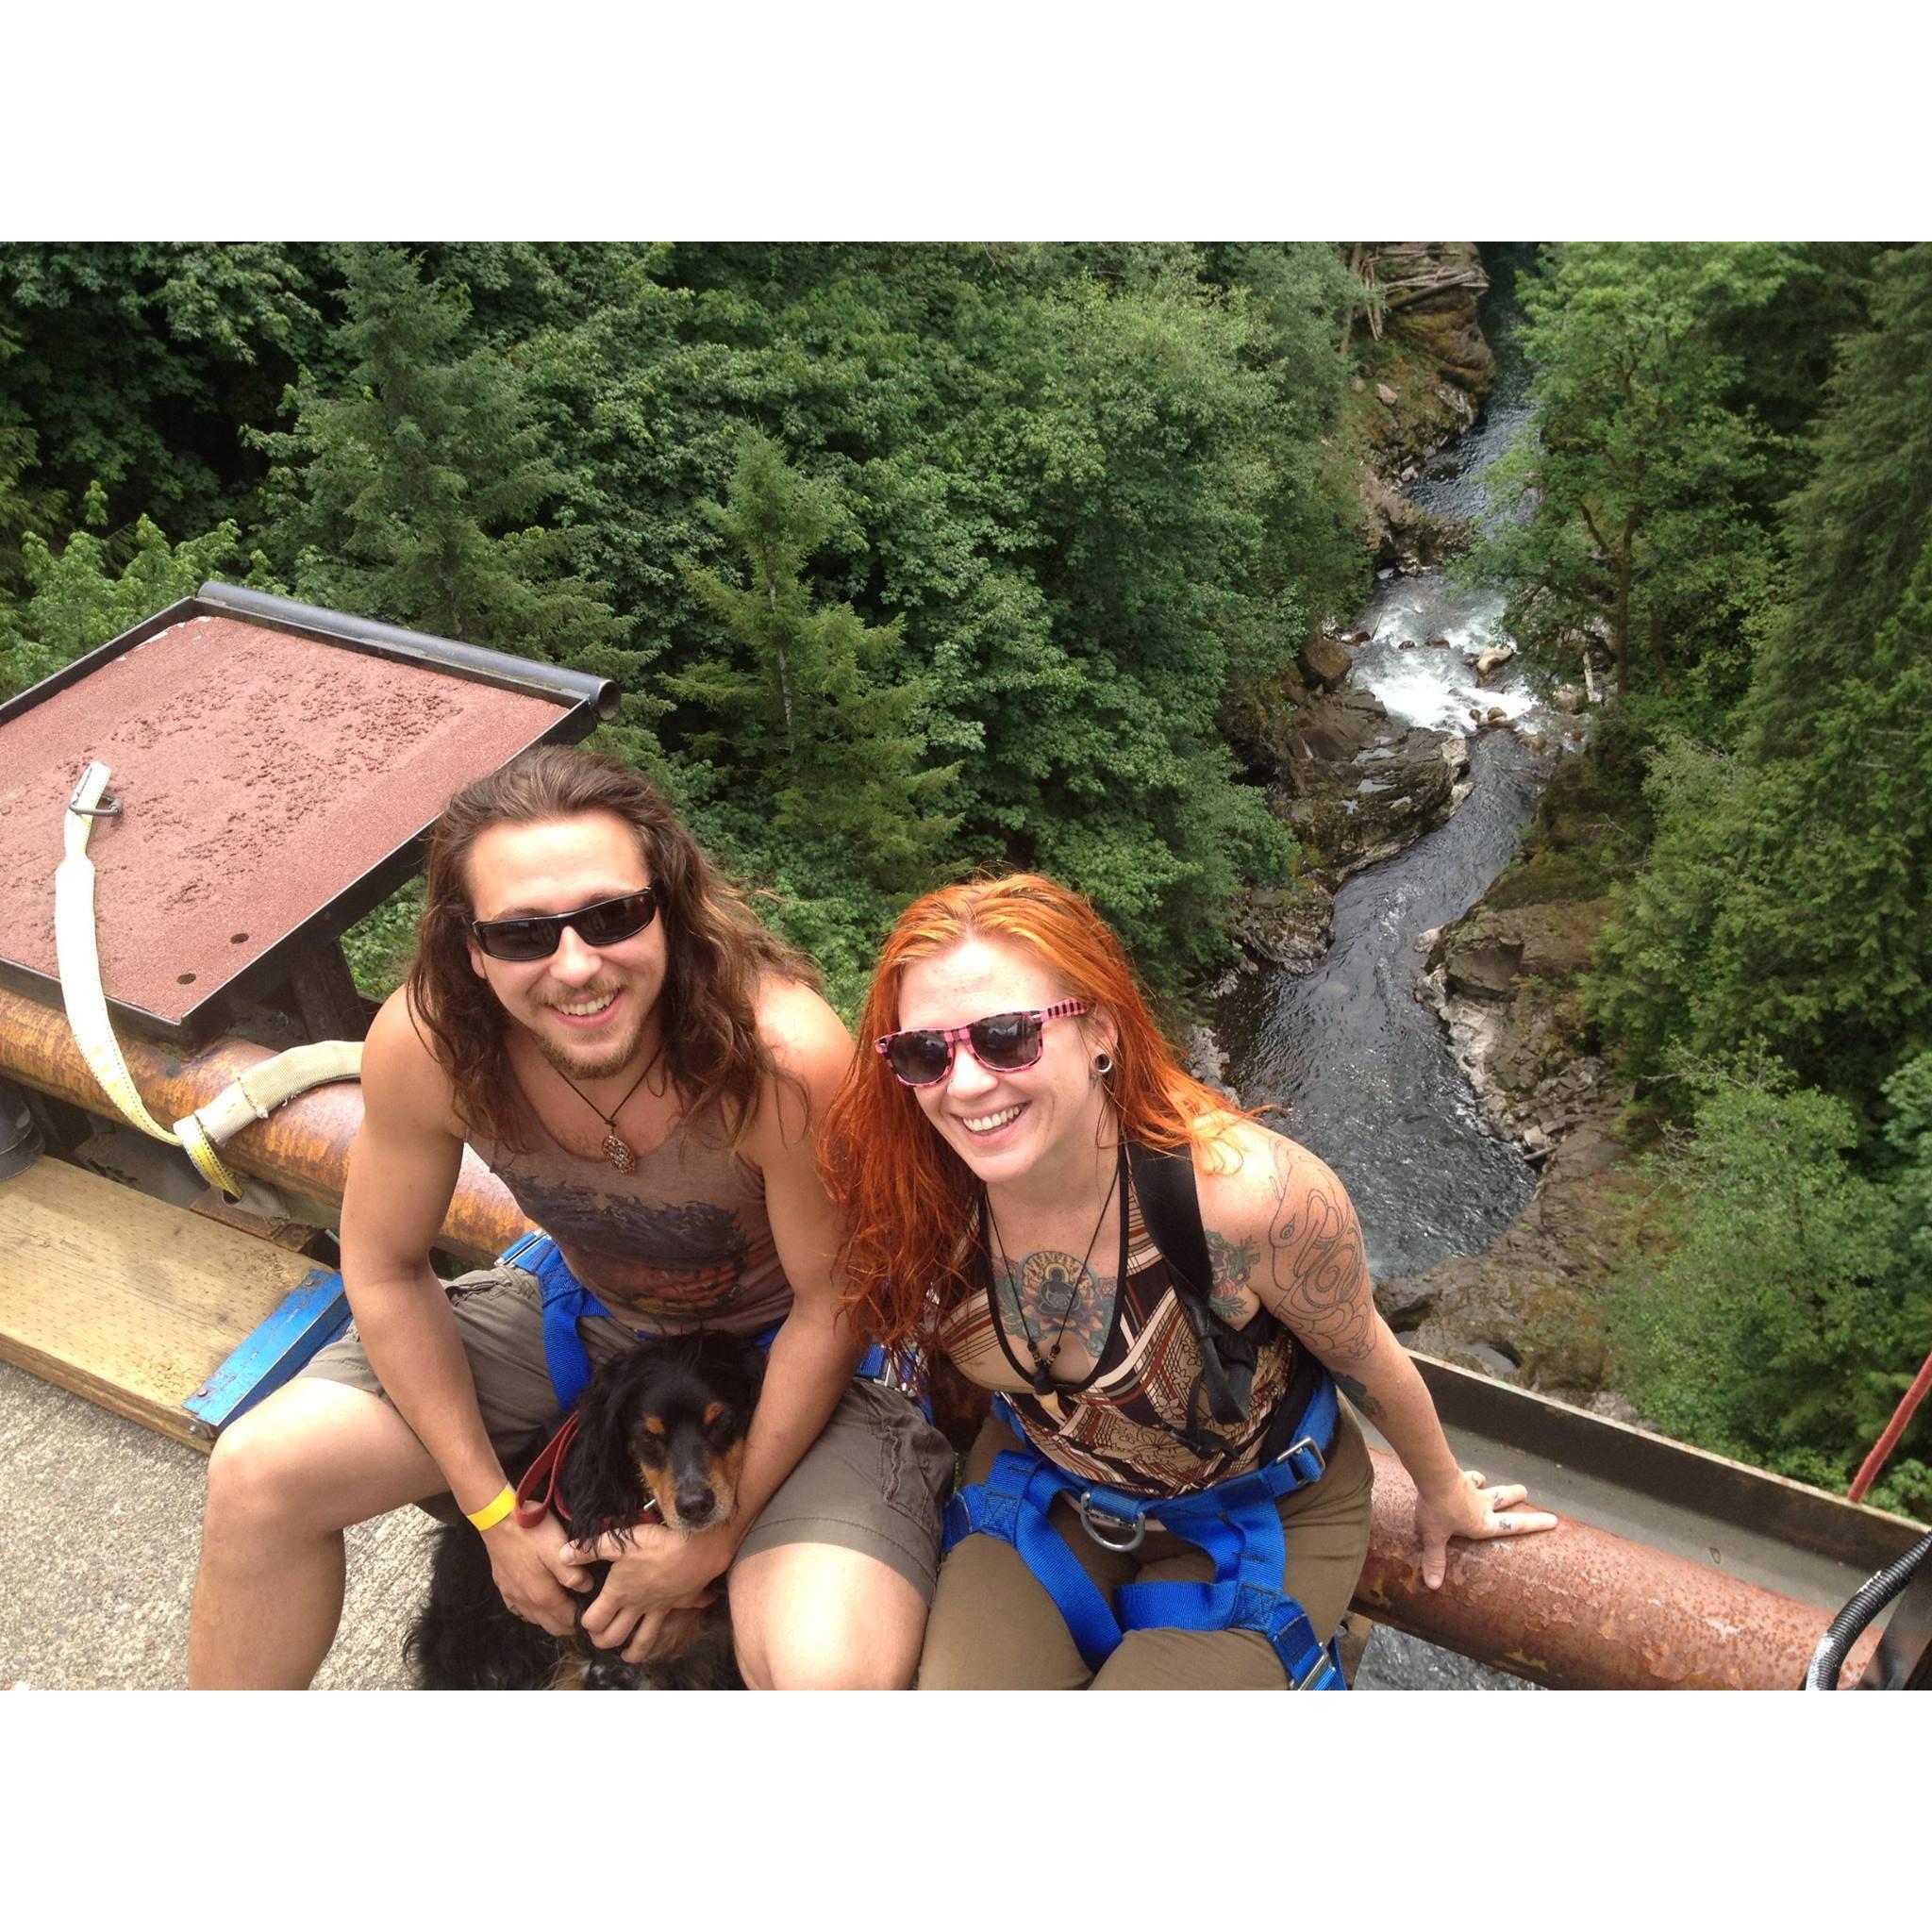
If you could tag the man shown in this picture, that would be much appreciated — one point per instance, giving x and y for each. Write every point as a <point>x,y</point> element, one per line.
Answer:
<point>597,1013</point>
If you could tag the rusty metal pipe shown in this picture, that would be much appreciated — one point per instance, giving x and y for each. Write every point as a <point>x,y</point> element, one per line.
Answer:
<point>304,1145</point>
<point>1578,1608</point>
<point>1575,1607</point>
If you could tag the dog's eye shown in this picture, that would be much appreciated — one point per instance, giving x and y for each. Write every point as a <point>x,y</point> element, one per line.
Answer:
<point>724,1426</point>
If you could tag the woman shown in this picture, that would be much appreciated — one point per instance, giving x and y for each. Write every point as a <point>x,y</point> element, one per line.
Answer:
<point>999,1158</point>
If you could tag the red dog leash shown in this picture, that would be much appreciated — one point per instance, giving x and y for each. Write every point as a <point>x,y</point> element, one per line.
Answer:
<point>531,1506</point>
<point>546,1473</point>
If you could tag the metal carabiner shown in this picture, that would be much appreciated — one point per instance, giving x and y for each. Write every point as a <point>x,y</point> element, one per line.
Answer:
<point>1090,1517</point>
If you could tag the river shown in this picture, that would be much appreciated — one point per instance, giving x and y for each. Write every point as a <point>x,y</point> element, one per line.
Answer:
<point>1362,1066</point>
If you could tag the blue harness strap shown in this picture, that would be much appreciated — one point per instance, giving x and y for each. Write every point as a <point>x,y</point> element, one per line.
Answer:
<point>566,1300</point>
<point>1234,1522</point>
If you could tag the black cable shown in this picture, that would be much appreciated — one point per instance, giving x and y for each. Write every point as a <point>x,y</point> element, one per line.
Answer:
<point>1870,1597</point>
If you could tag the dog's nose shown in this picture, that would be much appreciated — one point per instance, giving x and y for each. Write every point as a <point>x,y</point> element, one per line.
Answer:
<point>696,1502</point>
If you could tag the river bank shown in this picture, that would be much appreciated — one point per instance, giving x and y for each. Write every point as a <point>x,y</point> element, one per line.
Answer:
<point>1410,996</point>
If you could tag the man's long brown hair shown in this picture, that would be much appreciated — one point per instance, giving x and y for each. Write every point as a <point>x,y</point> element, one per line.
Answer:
<point>715,948</point>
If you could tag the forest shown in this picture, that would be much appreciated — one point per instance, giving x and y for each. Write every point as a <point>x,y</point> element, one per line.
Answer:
<point>907,559</point>
<point>1727,502</point>
<point>912,558</point>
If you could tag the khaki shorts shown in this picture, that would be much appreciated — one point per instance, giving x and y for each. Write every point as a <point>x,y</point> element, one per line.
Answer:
<point>993,1626</point>
<point>875,1481</point>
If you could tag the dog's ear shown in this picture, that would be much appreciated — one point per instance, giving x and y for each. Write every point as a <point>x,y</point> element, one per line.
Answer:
<point>605,1416</point>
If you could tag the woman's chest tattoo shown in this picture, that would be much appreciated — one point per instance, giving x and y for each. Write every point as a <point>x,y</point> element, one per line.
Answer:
<point>1047,1294</point>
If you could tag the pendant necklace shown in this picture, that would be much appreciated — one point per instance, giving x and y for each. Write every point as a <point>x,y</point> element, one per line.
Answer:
<point>1043,1385</point>
<point>616,1150</point>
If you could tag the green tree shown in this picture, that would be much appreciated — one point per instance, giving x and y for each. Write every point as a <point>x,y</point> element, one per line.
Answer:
<point>1074,491</point>
<point>805,696</point>
<point>405,491</point>
<point>26,503</point>
<point>1780,1326</point>
<point>1641,467</point>
<point>137,365</point>
<point>79,597</point>
<point>1785,899</point>
<point>1859,527</point>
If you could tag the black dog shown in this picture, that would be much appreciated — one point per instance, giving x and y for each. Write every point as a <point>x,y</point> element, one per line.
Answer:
<point>662,1424</point>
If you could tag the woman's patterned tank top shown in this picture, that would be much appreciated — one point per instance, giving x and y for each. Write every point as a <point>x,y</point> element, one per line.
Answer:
<point>1124,1424</point>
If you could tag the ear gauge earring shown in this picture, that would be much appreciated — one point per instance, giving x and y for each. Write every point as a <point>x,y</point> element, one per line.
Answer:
<point>1103,1065</point>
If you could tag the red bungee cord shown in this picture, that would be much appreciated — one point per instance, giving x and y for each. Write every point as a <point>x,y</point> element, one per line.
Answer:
<point>1868,1470</point>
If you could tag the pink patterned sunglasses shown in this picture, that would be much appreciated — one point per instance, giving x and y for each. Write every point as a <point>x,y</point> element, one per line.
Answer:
<point>1004,1043</point>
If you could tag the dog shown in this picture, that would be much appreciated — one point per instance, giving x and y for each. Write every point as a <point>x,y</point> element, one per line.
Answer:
<point>660,1426</point>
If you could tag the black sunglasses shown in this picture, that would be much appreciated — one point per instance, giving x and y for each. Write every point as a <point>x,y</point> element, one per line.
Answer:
<point>1002,1044</point>
<point>605,924</point>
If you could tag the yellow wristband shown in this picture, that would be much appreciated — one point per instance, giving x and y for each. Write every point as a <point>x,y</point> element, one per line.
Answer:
<point>494,1511</point>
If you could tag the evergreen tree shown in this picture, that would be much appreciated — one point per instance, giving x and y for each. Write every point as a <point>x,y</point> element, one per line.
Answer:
<point>1858,530</point>
<point>1783,352</point>
<point>1785,899</point>
<point>1782,1322</point>
<point>405,492</point>
<point>1639,469</point>
<point>807,696</point>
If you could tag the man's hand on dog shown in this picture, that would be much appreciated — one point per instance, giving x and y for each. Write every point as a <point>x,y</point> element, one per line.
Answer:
<point>534,1572</point>
<point>654,1570</point>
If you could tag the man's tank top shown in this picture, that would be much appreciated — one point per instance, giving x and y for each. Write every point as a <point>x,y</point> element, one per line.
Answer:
<point>682,1242</point>
<point>1122,1424</point>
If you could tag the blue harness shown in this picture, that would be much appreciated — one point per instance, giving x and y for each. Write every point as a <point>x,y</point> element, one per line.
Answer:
<point>1233,1521</point>
<point>566,1300</point>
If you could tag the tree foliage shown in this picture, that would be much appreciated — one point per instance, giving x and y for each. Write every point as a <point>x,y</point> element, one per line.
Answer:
<point>405,491</point>
<point>1753,543</point>
<point>1067,483</point>
<point>1076,500</point>
<point>79,597</point>
<point>1859,526</point>
<point>1784,900</point>
<point>139,365</point>
<point>1644,470</point>
<point>802,693</point>
<point>1784,1321</point>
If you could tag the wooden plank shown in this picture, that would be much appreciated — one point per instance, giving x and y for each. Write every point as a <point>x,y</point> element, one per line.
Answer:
<point>127,1300</point>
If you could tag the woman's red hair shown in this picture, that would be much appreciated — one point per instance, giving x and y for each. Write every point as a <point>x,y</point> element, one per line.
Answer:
<point>907,1200</point>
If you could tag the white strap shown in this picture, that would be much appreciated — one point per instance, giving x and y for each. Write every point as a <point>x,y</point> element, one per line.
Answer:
<point>262,1089</point>
<point>79,960</point>
<point>252,1097</point>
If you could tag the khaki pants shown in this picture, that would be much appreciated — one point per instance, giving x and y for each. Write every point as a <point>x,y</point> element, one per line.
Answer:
<point>875,1481</point>
<point>993,1626</point>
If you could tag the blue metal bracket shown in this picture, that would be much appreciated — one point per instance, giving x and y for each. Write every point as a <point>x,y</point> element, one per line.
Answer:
<point>311,1315</point>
